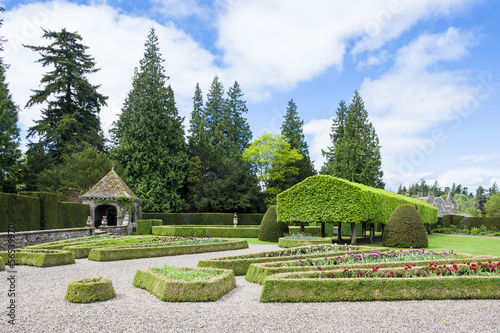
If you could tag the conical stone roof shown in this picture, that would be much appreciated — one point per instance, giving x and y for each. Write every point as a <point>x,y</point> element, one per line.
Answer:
<point>109,187</point>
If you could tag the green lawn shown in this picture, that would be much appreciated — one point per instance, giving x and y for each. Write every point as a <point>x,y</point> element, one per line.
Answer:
<point>463,244</point>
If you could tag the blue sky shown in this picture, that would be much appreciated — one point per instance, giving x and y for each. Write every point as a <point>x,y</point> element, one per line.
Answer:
<point>427,70</point>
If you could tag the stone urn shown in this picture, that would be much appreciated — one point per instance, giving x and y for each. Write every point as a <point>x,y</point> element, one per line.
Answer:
<point>104,223</point>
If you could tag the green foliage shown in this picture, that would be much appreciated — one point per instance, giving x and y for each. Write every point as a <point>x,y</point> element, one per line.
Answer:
<point>89,290</point>
<point>334,200</point>
<point>405,229</point>
<point>71,215</point>
<point>159,282</point>
<point>345,230</point>
<point>70,119</point>
<point>37,160</point>
<point>21,211</point>
<point>206,231</point>
<point>492,206</point>
<point>149,136</point>
<point>493,190</point>
<point>48,208</point>
<point>288,243</point>
<point>355,154</point>
<point>40,257</point>
<point>463,202</point>
<point>204,218</point>
<point>272,157</point>
<point>2,265</point>
<point>10,155</point>
<point>270,230</point>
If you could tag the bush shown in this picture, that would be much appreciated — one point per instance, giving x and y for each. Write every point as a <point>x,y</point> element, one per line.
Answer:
<point>40,257</point>
<point>156,282</point>
<point>288,243</point>
<point>48,208</point>
<point>89,290</point>
<point>21,211</point>
<point>2,265</point>
<point>491,223</point>
<point>208,230</point>
<point>204,218</point>
<point>405,228</point>
<point>143,227</point>
<point>71,215</point>
<point>270,230</point>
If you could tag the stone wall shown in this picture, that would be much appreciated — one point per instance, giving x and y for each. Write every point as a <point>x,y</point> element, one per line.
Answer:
<point>117,230</point>
<point>25,238</point>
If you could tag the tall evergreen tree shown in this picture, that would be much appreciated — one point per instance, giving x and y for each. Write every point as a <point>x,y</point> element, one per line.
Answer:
<point>70,120</point>
<point>10,155</point>
<point>198,136</point>
<point>240,134</point>
<point>355,154</point>
<point>150,137</point>
<point>292,130</point>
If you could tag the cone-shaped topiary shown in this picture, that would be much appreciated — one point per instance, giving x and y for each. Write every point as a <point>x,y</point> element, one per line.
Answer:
<point>270,230</point>
<point>405,228</point>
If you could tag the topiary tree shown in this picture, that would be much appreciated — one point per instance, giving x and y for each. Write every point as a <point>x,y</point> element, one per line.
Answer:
<point>270,229</point>
<point>405,228</point>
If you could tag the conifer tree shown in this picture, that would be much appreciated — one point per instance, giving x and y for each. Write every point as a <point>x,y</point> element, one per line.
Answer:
<point>70,119</point>
<point>355,154</point>
<point>149,136</point>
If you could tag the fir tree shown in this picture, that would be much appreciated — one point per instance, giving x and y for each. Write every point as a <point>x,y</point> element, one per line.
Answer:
<point>355,154</point>
<point>150,136</point>
<point>240,135</point>
<point>70,120</point>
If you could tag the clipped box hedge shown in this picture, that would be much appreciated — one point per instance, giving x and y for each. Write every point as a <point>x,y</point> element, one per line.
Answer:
<point>59,245</point>
<point>288,243</point>
<point>202,231</point>
<point>333,200</point>
<point>146,251</point>
<point>185,291</point>
<point>316,287</point>
<point>492,223</point>
<point>144,226</point>
<point>240,264</point>
<point>90,290</point>
<point>40,257</point>
<point>2,265</point>
<point>204,218</point>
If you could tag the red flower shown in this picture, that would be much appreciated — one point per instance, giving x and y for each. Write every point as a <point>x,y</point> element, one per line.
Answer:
<point>319,268</point>
<point>489,261</point>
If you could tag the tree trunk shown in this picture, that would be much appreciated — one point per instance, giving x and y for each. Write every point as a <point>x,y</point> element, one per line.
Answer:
<point>363,230</point>
<point>339,231</point>
<point>353,233</point>
<point>428,229</point>
<point>372,232</point>
<point>383,229</point>
<point>323,226</point>
<point>302,228</point>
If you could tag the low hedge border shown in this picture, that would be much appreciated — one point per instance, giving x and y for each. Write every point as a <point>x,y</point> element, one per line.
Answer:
<point>2,265</point>
<point>199,231</point>
<point>185,291</point>
<point>40,257</point>
<point>204,218</point>
<point>144,226</point>
<point>90,290</point>
<point>240,264</point>
<point>257,273</point>
<point>288,243</point>
<point>137,252</point>
<point>310,287</point>
<point>59,245</point>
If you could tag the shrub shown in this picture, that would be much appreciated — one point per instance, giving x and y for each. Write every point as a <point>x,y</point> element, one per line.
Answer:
<point>405,229</point>
<point>19,210</point>
<point>71,215</point>
<point>159,282</point>
<point>40,257</point>
<point>204,218</point>
<point>2,265</point>
<point>288,243</point>
<point>90,290</point>
<point>206,230</point>
<point>143,227</point>
<point>270,230</point>
<point>48,208</point>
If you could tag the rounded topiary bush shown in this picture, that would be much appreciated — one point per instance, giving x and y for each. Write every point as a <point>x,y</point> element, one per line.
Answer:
<point>405,228</point>
<point>270,230</point>
<point>89,290</point>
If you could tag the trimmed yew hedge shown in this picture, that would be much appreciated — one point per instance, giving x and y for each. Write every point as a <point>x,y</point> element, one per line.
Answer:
<point>316,287</point>
<point>240,264</point>
<point>204,218</point>
<point>19,210</point>
<point>200,231</point>
<point>71,215</point>
<point>334,200</point>
<point>146,251</point>
<point>144,226</point>
<point>288,243</point>
<point>90,290</point>
<point>185,291</point>
<point>40,257</point>
<point>492,223</point>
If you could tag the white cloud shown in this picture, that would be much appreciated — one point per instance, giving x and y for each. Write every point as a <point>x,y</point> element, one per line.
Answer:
<point>471,177</point>
<point>472,159</point>
<point>317,132</point>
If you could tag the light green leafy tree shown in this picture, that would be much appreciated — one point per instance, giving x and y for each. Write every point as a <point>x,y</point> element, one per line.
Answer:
<point>492,206</point>
<point>271,156</point>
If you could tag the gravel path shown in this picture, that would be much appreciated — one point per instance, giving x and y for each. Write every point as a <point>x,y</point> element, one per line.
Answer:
<point>41,306</point>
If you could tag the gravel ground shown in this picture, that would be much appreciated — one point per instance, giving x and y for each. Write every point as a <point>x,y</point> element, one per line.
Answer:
<point>41,307</point>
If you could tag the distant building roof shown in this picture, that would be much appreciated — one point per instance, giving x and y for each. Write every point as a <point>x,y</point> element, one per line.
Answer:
<point>110,186</point>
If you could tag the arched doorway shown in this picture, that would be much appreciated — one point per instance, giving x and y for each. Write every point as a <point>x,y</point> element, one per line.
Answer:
<point>105,210</point>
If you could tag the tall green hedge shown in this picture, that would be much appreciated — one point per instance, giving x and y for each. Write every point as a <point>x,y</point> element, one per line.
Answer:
<point>40,212</point>
<point>492,223</point>
<point>334,200</point>
<point>204,218</point>
<point>20,210</point>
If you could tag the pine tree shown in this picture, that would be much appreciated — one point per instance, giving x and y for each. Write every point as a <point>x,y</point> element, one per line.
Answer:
<point>150,136</point>
<point>240,134</point>
<point>10,155</point>
<point>355,154</point>
<point>70,120</point>
<point>198,136</point>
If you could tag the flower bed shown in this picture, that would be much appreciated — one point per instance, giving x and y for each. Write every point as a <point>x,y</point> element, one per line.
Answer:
<point>433,281</point>
<point>201,230</point>
<point>212,284</point>
<point>136,251</point>
<point>240,264</point>
<point>288,243</point>
<point>40,257</point>
<point>89,290</point>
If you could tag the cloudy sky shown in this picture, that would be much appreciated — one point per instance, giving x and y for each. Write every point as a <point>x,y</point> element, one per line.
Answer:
<point>427,69</point>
